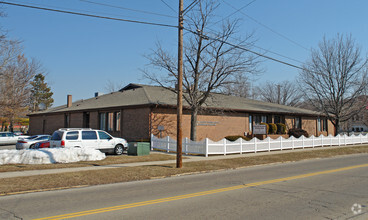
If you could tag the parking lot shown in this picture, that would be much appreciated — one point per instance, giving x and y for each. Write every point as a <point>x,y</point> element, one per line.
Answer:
<point>7,147</point>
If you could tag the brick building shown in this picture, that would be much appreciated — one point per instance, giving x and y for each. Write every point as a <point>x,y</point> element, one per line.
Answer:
<point>137,111</point>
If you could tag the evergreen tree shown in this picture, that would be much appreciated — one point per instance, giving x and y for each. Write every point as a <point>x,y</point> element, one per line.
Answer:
<point>41,94</point>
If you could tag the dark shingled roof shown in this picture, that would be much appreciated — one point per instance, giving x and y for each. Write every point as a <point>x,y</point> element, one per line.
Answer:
<point>139,95</point>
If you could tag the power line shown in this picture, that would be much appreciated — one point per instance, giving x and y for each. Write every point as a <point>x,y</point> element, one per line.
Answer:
<point>237,10</point>
<point>265,26</point>
<point>169,6</point>
<point>190,6</point>
<point>128,9</point>
<point>266,50</point>
<point>87,15</point>
<point>248,50</point>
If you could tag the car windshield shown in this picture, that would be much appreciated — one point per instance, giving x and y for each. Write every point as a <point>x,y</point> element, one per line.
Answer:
<point>57,135</point>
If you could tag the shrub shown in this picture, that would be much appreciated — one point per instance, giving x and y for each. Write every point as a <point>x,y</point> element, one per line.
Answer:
<point>267,127</point>
<point>236,137</point>
<point>297,132</point>
<point>273,128</point>
<point>281,128</point>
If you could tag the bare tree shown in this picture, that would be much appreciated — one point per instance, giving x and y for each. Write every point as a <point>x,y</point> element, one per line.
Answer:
<point>112,86</point>
<point>209,63</point>
<point>334,77</point>
<point>283,93</point>
<point>241,87</point>
<point>15,87</point>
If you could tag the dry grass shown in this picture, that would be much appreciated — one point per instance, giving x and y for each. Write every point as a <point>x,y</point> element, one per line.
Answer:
<point>125,174</point>
<point>108,161</point>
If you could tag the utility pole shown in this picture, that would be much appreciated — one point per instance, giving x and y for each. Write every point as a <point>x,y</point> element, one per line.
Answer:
<point>179,135</point>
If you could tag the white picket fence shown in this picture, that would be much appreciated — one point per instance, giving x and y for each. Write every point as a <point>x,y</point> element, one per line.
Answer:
<point>208,147</point>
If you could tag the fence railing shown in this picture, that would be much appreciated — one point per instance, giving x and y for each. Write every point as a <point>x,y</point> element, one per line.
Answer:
<point>208,147</point>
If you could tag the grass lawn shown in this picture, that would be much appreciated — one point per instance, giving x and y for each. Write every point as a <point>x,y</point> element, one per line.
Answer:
<point>125,174</point>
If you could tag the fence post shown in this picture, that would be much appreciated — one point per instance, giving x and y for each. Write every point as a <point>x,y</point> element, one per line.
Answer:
<point>224,146</point>
<point>345,139</point>
<point>241,145</point>
<point>186,145</point>
<point>330,141</point>
<point>361,140</point>
<point>303,141</point>
<point>313,141</point>
<point>292,144</point>
<point>339,139</point>
<point>152,142</point>
<point>168,143</point>
<point>281,143</point>
<point>255,145</point>
<point>322,140</point>
<point>269,144</point>
<point>206,143</point>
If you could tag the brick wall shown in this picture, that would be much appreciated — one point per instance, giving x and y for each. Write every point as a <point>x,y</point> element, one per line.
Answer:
<point>76,120</point>
<point>214,127</point>
<point>135,124</point>
<point>52,123</point>
<point>310,125</point>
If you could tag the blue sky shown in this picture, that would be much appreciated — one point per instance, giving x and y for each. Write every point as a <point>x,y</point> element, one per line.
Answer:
<point>81,54</point>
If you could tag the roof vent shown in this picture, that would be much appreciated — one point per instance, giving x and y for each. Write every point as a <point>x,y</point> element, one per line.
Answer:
<point>98,94</point>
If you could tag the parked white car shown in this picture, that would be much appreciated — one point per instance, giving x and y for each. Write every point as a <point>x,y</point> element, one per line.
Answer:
<point>87,137</point>
<point>8,138</point>
<point>29,143</point>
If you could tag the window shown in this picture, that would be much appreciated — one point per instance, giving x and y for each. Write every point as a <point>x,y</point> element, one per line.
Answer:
<point>110,121</point>
<point>117,121</point>
<point>250,123</point>
<point>298,122</point>
<point>72,135</point>
<point>319,124</point>
<point>104,135</point>
<point>66,120</point>
<point>102,121</point>
<point>56,136</point>
<point>10,134</point>
<point>278,119</point>
<point>257,119</point>
<point>324,124</point>
<point>86,119</point>
<point>89,135</point>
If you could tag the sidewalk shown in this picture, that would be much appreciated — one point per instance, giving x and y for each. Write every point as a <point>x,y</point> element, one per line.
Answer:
<point>189,159</point>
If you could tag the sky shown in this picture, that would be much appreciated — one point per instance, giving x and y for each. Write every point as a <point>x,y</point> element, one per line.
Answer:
<point>81,55</point>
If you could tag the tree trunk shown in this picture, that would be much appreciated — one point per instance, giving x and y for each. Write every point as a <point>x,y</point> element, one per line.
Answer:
<point>337,127</point>
<point>193,124</point>
<point>11,129</point>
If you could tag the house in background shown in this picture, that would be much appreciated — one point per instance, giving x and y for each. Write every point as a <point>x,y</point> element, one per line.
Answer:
<point>137,111</point>
<point>359,121</point>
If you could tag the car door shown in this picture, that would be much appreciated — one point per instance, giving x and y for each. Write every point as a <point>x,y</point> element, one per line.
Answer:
<point>72,139</point>
<point>12,139</point>
<point>3,138</point>
<point>89,139</point>
<point>105,141</point>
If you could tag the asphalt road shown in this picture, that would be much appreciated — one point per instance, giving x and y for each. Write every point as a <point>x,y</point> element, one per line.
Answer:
<point>7,147</point>
<point>297,190</point>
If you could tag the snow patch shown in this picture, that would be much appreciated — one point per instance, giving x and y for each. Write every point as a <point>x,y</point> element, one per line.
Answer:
<point>50,155</point>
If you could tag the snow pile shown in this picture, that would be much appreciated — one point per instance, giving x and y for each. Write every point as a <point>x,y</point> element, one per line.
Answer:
<point>50,155</point>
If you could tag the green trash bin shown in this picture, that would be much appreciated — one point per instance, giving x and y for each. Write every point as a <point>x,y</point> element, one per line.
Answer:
<point>139,148</point>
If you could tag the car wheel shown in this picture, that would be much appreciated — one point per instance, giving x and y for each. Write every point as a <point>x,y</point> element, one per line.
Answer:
<point>32,146</point>
<point>119,149</point>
